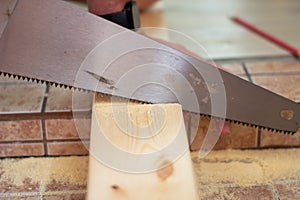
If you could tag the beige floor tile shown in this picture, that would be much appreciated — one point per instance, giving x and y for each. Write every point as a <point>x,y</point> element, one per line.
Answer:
<point>80,3</point>
<point>284,85</point>
<point>235,68</point>
<point>275,66</point>
<point>208,22</point>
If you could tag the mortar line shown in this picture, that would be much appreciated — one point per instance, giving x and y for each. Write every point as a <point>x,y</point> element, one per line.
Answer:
<point>45,115</point>
<point>41,191</point>
<point>258,139</point>
<point>289,73</point>
<point>275,193</point>
<point>247,72</point>
<point>48,140</point>
<point>257,58</point>
<point>43,121</point>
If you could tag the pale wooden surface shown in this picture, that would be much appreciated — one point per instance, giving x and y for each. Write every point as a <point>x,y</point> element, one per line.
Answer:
<point>165,177</point>
<point>208,22</point>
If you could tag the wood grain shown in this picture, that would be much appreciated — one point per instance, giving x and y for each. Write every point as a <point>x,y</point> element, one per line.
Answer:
<point>144,168</point>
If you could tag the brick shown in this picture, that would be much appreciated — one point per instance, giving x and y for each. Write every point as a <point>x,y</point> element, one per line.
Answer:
<point>20,130</point>
<point>6,79</point>
<point>68,129</point>
<point>58,186</point>
<point>239,137</point>
<point>65,197</point>
<point>60,99</point>
<point>288,190</point>
<point>66,148</point>
<point>239,192</point>
<point>27,186</point>
<point>21,98</point>
<point>17,196</point>
<point>273,139</point>
<point>21,149</point>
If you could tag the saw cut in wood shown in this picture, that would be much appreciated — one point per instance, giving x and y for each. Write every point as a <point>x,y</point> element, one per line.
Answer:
<point>132,154</point>
<point>50,45</point>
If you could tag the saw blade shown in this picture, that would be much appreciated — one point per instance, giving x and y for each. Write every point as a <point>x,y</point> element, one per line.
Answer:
<point>68,47</point>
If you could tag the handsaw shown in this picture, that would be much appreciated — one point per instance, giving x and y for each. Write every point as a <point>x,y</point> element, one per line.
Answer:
<point>48,42</point>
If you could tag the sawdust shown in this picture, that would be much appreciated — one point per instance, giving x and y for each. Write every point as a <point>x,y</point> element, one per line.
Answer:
<point>249,167</point>
<point>244,169</point>
<point>71,170</point>
<point>219,168</point>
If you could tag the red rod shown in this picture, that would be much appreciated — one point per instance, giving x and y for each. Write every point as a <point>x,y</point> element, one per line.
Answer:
<point>267,36</point>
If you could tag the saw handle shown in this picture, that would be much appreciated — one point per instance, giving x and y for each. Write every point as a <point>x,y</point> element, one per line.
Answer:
<point>129,17</point>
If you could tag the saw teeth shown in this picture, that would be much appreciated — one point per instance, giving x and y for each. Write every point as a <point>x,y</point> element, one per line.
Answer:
<point>256,126</point>
<point>24,78</point>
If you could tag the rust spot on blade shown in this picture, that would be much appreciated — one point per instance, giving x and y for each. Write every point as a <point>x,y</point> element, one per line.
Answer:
<point>287,114</point>
<point>8,12</point>
<point>165,170</point>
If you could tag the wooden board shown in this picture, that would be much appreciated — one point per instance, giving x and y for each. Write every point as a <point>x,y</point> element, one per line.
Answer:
<point>139,152</point>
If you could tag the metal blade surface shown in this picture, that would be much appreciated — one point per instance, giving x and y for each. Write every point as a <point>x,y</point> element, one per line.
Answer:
<point>66,46</point>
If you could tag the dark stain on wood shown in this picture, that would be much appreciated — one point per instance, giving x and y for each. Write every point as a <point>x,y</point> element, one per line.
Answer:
<point>119,191</point>
<point>165,170</point>
<point>115,187</point>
